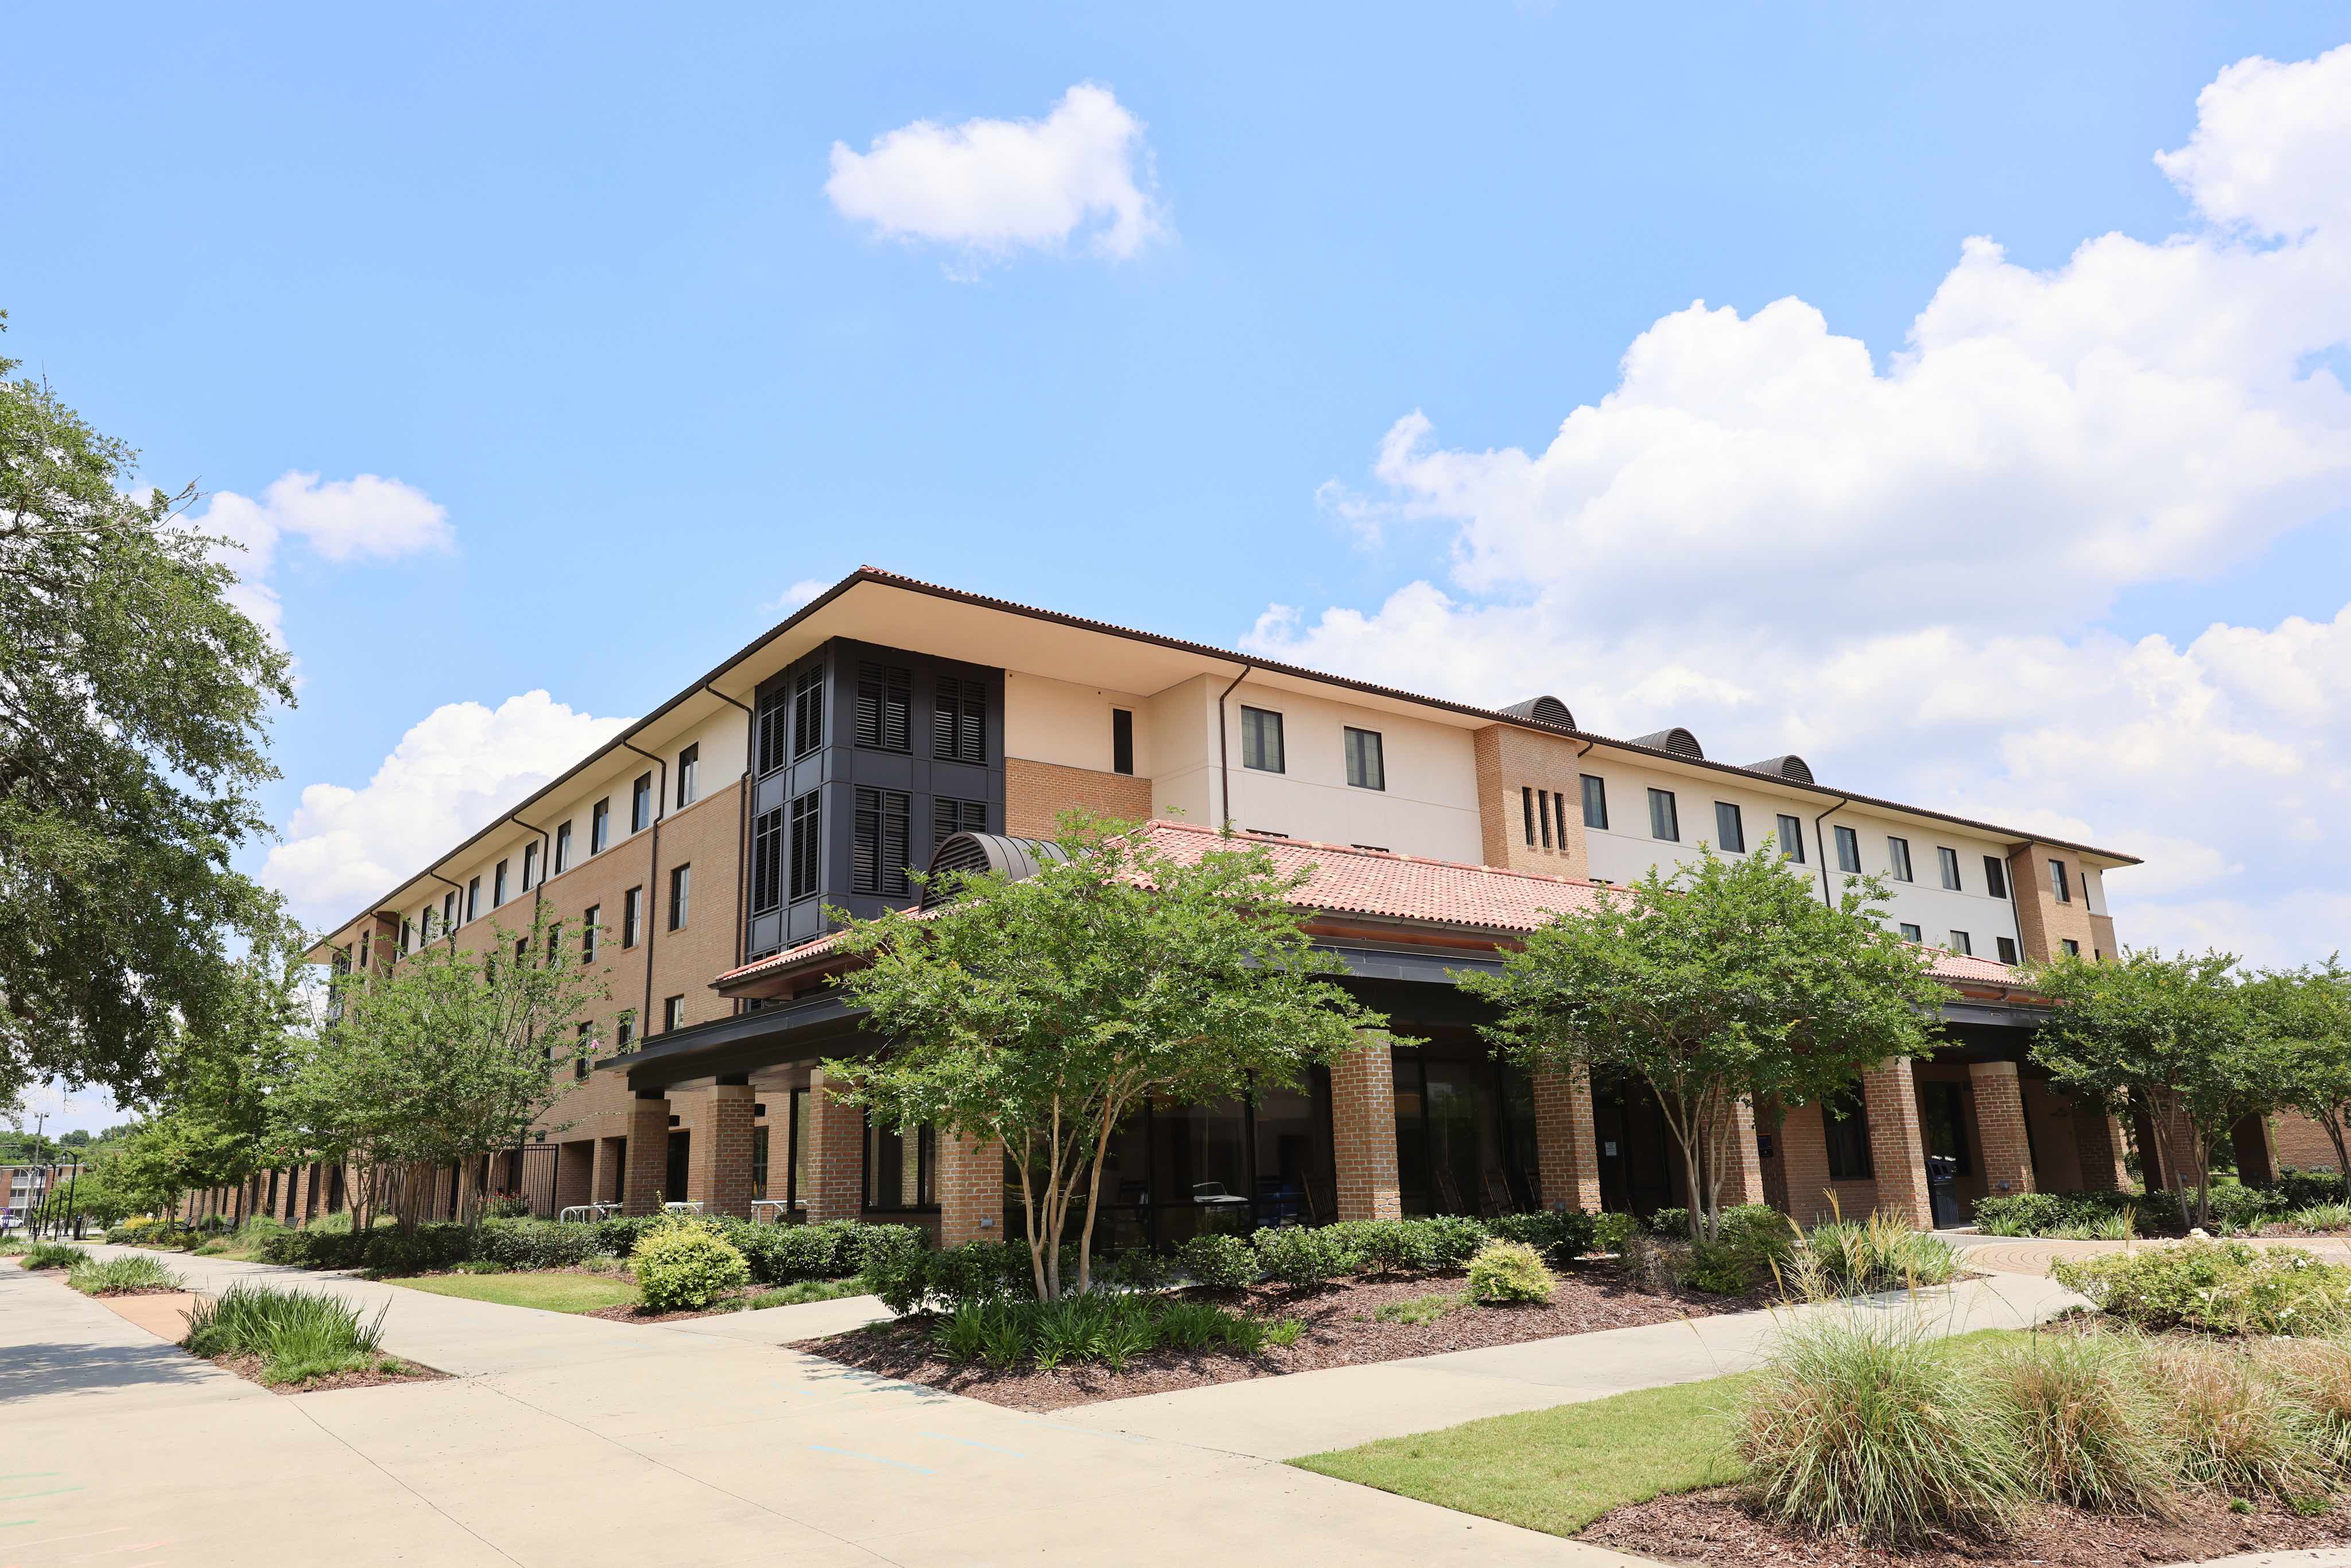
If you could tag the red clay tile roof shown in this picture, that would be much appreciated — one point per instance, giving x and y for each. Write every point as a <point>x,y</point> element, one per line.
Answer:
<point>1343,880</point>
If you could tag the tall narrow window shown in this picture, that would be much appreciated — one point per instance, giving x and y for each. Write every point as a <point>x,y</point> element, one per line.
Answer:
<point>673,1013</point>
<point>885,706</point>
<point>680,887</point>
<point>807,821</point>
<point>1962,944</point>
<point>1367,766</point>
<point>1559,810</point>
<point>554,941</point>
<point>1897,858</point>
<point>689,776</point>
<point>584,1050</point>
<point>1543,815</point>
<point>449,910</point>
<point>498,886</point>
<point>1665,816</point>
<point>1948,861</point>
<point>426,924</point>
<point>1848,843</point>
<point>529,867</point>
<point>949,818</point>
<point>562,848</point>
<point>624,1031</point>
<point>959,721</point>
<point>775,727</point>
<point>473,898</point>
<point>1846,1128</point>
<point>641,803</point>
<point>1791,838</point>
<point>1596,802</point>
<point>1261,740</point>
<point>591,927</point>
<point>1527,808</point>
<point>366,942</point>
<point>768,860</point>
<point>632,915</point>
<point>1995,876</point>
<point>2007,946</point>
<point>1730,828</point>
<point>1122,741</point>
<point>2057,882</point>
<point>407,935</point>
<point>808,710</point>
<point>878,842</point>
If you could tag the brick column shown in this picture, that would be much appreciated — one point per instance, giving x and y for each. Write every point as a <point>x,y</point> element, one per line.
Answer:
<point>1743,1182</point>
<point>1567,1151</point>
<point>1363,1131</point>
<point>833,1185</point>
<point>1999,1128</point>
<point>1897,1151</point>
<point>2256,1150</point>
<point>1804,1164</point>
<point>971,1189</point>
<point>648,1171</point>
<point>719,1158</point>
<point>575,1174</point>
<point>2098,1144</point>
<point>611,1161</point>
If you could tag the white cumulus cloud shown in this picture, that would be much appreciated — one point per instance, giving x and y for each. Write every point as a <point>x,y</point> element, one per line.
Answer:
<point>991,187</point>
<point>367,520</point>
<point>1906,570</point>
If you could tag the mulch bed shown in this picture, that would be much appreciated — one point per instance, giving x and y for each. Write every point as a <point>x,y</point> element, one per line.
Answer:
<point>1341,1330</point>
<point>249,1368</point>
<point>1714,1527</point>
<point>140,1290</point>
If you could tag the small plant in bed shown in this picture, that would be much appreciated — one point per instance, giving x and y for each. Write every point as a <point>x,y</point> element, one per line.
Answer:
<point>2215,1287</point>
<point>137,1275</point>
<point>1507,1273</point>
<point>685,1267</point>
<point>291,1338</point>
<point>53,1255</point>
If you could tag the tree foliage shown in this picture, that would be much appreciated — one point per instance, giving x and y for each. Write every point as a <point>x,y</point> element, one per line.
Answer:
<point>133,703</point>
<point>1724,981</point>
<point>2304,1017</point>
<point>1044,1011</point>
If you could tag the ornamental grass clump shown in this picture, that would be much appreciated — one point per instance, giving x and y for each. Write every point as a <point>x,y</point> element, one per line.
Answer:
<point>1508,1273</point>
<point>685,1267</point>
<point>2315,1375</point>
<point>2235,1429</point>
<point>1861,1425</point>
<point>135,1275</point>
<point>297,1335</point>
<point>53,1255</point>
<point>2089,1429</point>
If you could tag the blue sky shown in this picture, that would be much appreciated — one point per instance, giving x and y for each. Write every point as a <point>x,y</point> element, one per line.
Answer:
<point>574,277</point>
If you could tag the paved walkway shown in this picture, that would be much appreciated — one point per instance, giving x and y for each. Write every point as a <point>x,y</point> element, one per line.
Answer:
<point>578,1442</point>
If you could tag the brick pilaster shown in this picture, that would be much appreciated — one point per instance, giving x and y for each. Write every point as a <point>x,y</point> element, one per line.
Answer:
<point>2098,1144</point>
<point>1898,1150</point>
<point>719,1158</point>
<point>1999,1128</point>
<point>971,1189</point>
<point>1804,1164</point>
<point>575,1174</point>
<point>648,1158</point>
<point>1363,1131</point>
<point>1567,1151</point>
<point>832,1186</point>
<point>2256,1150</point>
<point>611,1164</point>
<point>1743,1182</point>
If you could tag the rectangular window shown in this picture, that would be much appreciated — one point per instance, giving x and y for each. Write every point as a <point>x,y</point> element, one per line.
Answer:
<point>582,1050</point>
<point>364,944</point>
<point>632,915</point>
<point>1791,838</point>
<point>808,710</point>
<point>554,941</point>
<point>1122,741</point>
<point>1596,802</point>
<point>473,898</point>
<point>599,827</point>
<point>641,803</point>
<point>2072,948</point>
<point>1261,740</point>
<point>886,707</point>
<point>949,818</point>
<point>673,1013</point>
<point>959,721</point>
<point>1961,944</point>
<point>1949,862</point>
<point>1665,816</point>
<point>1559,807</point>
<point>898,1167</point>
<point>775,727</point>
<point>689,775</point>
<point>1995,876</point>
<point>878,842</point>
<point>529,867</point>
<point>449,910</point>
<point>407,935</point>
<point>2057,882</point>
<point>1730,829</point>
<point>1527,809</point>
<point>624,1032</point>
<point>562,848</point>
<point>1897,858</point>
<point>1910,933</point>
<point>1367,767</point>
<point>807,821</point>
<point>681,886</point>
<point>768,860</point>
<point>1848,843</point>
<point>1543,814</point>
<point>2007,946</point>
<point>1846,1129</point>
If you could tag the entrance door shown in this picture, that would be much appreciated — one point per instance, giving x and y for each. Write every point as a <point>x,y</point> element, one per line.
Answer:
<point>1636,1154</point>
<point>674,1185</point>
<point>1943,1128</point>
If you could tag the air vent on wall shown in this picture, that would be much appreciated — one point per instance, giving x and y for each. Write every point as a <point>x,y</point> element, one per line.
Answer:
<point>1547,710</point>
<point>967,852</point>
<point>1677,740</point>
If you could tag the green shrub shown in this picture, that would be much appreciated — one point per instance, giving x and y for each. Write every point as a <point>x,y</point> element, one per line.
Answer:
<point>1109,1327</point>
<point>2045,1213</point>
<point>1754,1238</point>
<point>145,1230</point>
<point>1611,1231</point>
<point>2088,1428</point>
<point>533,1244</point>
<point>53,1255</point>
<point>1674,1223</point>
<point>1860,1424</point>
<point>1302,1255</point>
<point>1417,1311</point>
<point>297,1335</point>
<point>1508,1272</point>
<point>2300,1189</point>
<point>2236,1432</point>
<point>2311,1220</point>
<point>2217,1287</point>
<point>685,1267</point>
<point>1560,1234</point>
<point>1219,1262</point>
<point>1718,1268</point>
<point>1387,1246</point>
<point>122,1276</point>
<point>1858,1257</point>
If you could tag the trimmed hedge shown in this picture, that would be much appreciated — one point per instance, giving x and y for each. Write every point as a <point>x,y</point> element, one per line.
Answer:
<point>776,1254</point>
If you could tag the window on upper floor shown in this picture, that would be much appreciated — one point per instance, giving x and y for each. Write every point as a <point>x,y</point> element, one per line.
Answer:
<point>1543,815</point>
<point>498,886</point>
<point>878,835</point>
<point>1730,828</point>
<point>689,776</point>
<point>2085,888</point>
<point>768,860</point>
<point>624,1028</point>
<point>1897,858</point>
<point>591,927</point>
<point>1596,801</point>
<point>886,707</point>
<point>473,898</point>
<point>407,935</point>
<point>2057,882</point>
<point>1848,846</point>
<point>808,710</point>
<point>562,848</point>
<point>1527,810</point>
<point>1559,810</point>
<point>599,827</point>
<point>449,910</point>
<point>425,923</point>
<point>775,727</point>
<point>1995,876</point>
<point>673,1013</point>
<point>1665,816</point>
<point>681,889</point>
<point>959,721</point>
<point>1948,861</point>
<point>1367,767</point>
<point>1122,741</point>
<point>641,803</point>
<point>366,942</point>
<point>1961,944</point>
<point>1791,838</point>
<point>949,818</point>
<point>807,823</point>
<point>584,1050</point>
<point>2072,948</point>
<point>1910,932</point>
<point>632,915</point>
<point>1261,740</point>
<point>554,943</point>
<point>2007,949</point>
<point>529,867</point>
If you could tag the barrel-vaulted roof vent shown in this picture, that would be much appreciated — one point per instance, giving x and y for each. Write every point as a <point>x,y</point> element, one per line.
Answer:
<point>966,852</point>
<point>1547,710</point>
<point>1677,740</point>
<point>1791,767</point>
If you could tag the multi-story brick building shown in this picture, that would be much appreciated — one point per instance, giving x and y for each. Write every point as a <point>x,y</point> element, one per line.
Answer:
<point>889,717</point>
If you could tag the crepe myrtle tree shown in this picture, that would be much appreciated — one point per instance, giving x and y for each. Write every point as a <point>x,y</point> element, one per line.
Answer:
<point>448,1056</point>
<point>1728,980</point>
<point>2139,1032</point>
<point>1043,1011</point>
<point>2304,1017</point>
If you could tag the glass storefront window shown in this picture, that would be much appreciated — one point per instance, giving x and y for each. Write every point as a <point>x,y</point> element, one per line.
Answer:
<point>1465,1133</point>
<point>898,1167</point>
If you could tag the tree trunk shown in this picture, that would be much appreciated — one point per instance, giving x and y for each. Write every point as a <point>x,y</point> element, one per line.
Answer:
<point>2334,1121</point>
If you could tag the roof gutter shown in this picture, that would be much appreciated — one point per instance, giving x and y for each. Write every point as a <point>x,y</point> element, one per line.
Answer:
<point>1224,754</point>
<point>653,882</point>
<point>1822,845</point>
<point>742,810</point>
<point>452,932</point>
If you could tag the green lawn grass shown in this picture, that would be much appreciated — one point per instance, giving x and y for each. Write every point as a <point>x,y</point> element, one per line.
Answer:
<point>1557,1470</point>
<point>551,1292</point>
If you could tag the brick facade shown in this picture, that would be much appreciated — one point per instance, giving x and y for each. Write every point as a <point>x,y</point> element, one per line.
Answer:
<point>833,1184</point>
<point>648,1168</point>
<point>2302,1144</point>
<point>1743,1182</point>
<point>2007,1161</point>
<point>1037,793</point>
<point>1508,761</point>
<point>1363,1133</point>
<point>1897,1150</point>
<point>970,1183</point>
<point>2100,1150</point>
<point>719,1156</point>
<point>2042,922</point>
<point>1567,1154</point>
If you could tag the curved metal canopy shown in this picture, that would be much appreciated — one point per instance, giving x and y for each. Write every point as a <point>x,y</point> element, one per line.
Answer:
<point>1543,710</point>
<point>1677,740</point>
<point>1790,767</point>
<point>963,853</point>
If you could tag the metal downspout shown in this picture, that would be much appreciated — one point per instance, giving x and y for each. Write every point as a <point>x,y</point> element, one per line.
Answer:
<point>1822,844</point>
<point>652,883</point>
<point>742,817</point>
<point>1224,750</point>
